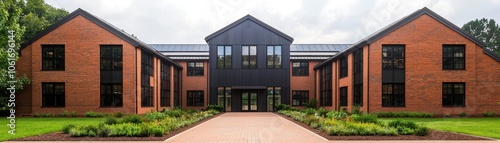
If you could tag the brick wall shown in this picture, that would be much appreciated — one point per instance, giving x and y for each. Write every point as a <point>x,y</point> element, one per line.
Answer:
<point>194,83</point>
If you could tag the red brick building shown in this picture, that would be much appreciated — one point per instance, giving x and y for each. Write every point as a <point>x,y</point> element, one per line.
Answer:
<point>419,63</point>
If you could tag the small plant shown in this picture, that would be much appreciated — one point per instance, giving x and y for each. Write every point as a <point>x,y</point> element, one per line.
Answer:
<point>110,121</point>
<point>401,123</point>
<point>488,114</point>
<point>215,107</point>
<point>155,116</point>
<point>365,118</point>
<point>422,131</point>
<point>93,114</point>
<point>309,111</point>
<point>35,115</point>
<point>337,115</point>
<point>136,119</point>
<point>463,114</point>
<point>322,112</point>
<point>119,114</point>
<point>74,114</point>
<point>67,128</point>
<point>64,114</point>
<point>356,110</point>
<point>312,104</point>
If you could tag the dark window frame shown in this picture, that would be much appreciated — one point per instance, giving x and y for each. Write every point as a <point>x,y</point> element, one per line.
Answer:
<point>195,98</point>
<point>194,68</point>
<point>111,60</point>
<point>343,67</point>
<point>326,86</point>
<point>165,84</point>
<point>108,90</point>
<point>300,68</point>
<point>390,58</point>
<point>390,95</point>
<point>343,93</point>
<point>272,58</point>
<point>57,51</point>
<point>247,57</point>
<point>53,93</point>
<point>357,92</point>
<point>301,96</point>
<point>147,71</point>
<point>456,99</point>
<point>450,61</point>
<point>177,88</point>
<point>224,61</point>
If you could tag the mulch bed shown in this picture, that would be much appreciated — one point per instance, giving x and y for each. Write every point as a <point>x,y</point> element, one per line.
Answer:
<point>59,136</point>
<point>433,134</point>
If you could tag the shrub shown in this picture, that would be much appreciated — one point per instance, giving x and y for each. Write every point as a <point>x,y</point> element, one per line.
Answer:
<point>110,120</point>
<point>215,107</point>
<point>64,114</point>
<point>312,104</point>
<point>104,131</point>
<point>175,113</point>
<point>36,115</point>
<point>92,133</point>
<point>309,111</point>
<point>365,118</point>
<point>136,119</point>
<point>488,114</point>
<point>404,114</point>
<point>322,112</point>
<point>74,114</point>
<point>285,107</point>
<point>67,128</point>
<point>463,114</point>
<point>356,109</point>
<point>93,114</point>
<point>422,131</point>
<point>405,130</point>
<point>154,116</point>
<point>337,115</point>
<point>311,119</point>
<point>157,131</point>
<point>403,127</point>
<point>119,114</point>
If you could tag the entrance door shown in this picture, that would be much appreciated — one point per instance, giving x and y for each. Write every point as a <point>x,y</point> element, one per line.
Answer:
<point>249,101</point>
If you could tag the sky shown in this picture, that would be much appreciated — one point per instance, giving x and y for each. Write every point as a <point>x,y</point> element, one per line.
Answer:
<point>307,21</point>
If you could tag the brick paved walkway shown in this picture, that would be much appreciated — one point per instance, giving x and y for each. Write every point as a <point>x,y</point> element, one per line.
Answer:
<point>247,128</point>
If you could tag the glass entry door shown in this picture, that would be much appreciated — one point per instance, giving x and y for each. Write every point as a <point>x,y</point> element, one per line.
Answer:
<point>249,101</point>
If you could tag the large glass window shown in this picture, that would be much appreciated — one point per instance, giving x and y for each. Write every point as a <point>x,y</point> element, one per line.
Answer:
<point>343,67</point>
<point>393,95</point>
<point>195,98</point>
<point>325,98</point>
<point>343,96</point>
<point>147,72</point>
<point>393,57</point>
<point>224,97</point>
<point>300,98</point>
<point>177,95</point>
<point>454,94</point>
<point>274,57</point>
<point>195,69</point>
<point>53,95</point>
<point>453,57</point>
<point>53,57</point>
<point>358,78</point>
<point>300,68</point>
<point>249,57</point>
<point>224,57</point>
<point>273,97</point>
<point>111,95</point>
<point>165,85</point>
<point>111,58</point>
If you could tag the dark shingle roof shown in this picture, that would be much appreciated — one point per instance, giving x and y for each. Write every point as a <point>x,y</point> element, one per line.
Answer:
<point>105,25</point>
<point>251,18</point>
<point>401,22</point>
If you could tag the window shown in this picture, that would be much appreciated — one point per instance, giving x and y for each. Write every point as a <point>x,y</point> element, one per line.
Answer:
<point>194,68</point>
<point>343,96</point>
<point>224,97</point>
<point>393,57</point>
<point>147,72</point>
<point>273,98</point>
<point>249,57</point>
<point>53,95</point>
<point>325,98</point>
<point>343,67</point>
<point>393,95</point>
<point>177,99</point>
<point>300,68</point>
<point>300,98</point>
<point>165,85</point>
<point>358,78</point>
<point>52,57</point>
<point>111,58</point>
<point>453,57</point>
<point>273,57</point>
<point>195,98</point>
<point>453,94</point>
<point>111,95</point>
<point>224,57</point>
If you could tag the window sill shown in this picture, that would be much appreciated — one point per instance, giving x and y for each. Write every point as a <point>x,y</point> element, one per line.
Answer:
<point>110,106</point>
<point>393,106</point>
<point>53,107</point>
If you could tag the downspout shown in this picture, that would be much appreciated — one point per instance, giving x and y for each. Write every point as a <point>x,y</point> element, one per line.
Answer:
<point>368,81</point>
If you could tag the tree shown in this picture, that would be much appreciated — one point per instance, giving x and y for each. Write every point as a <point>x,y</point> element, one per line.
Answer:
<point>486,30</point>
<point>37,16</point>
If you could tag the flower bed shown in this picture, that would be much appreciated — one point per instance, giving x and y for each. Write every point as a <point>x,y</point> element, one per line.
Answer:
<point>342,124</point>
<point>155,123</point>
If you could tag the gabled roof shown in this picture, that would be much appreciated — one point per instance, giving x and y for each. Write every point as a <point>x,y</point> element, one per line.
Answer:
<point>401,22</point>
<point>243,19</point>
<point>318,47</point>
<point>103,24</point>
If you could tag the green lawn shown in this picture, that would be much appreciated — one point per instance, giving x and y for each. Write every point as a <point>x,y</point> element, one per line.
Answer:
<point>35,126</point>
<point>486,127</point>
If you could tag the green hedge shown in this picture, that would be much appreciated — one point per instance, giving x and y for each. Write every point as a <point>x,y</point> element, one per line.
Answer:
<point>404,114</point>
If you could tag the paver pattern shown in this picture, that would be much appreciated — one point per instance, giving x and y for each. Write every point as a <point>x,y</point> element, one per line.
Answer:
<point>247,128</point>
